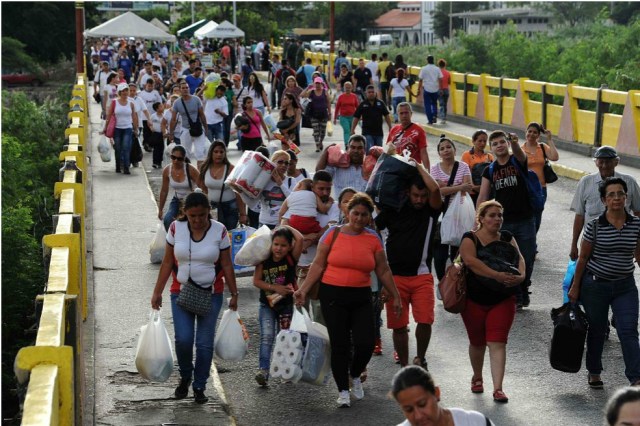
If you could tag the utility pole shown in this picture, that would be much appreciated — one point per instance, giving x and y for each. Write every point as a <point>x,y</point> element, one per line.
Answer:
<point>450,20</point>
<point>235,24</point>
<point>80,37</point>
<point>193,12</point>
<point>332,36</point>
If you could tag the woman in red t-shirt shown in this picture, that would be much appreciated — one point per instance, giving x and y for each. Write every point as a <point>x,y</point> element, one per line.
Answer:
<point>343,263</point>
<point>345,107</point>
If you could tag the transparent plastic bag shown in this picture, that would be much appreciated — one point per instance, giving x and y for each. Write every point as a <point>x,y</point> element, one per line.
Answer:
<point>104,148</point>
<point>154,355</point>
<point>156,248</point>
<point>256,249</point>
<point>232,340</point>
<point>298,320</point>
<point>459,219</point>
<point>316,361</point>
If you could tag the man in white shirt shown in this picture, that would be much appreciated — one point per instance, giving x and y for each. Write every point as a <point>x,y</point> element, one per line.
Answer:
<point>100,82</point>
<point>322,183</point>
<point>430,76</point>
<point>150,96</point>
<point>145,74</point>
<point>215,110</point>
<point>373,66</point>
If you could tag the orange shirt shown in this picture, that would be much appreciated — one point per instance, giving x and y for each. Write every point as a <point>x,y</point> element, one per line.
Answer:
<point>535,161</point>
<point>476,157</point>
<point>351,259</point>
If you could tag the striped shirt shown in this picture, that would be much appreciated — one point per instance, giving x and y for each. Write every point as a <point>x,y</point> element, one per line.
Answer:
<point>612,255</point>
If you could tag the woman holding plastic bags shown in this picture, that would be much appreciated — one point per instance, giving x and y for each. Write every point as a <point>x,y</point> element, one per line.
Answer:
<point>122,109</point>
<point>276,279</point>
<point>259,95</point>
<point>342,268</point>
<point>453,177</point>
<point>213,172</point>
<point>604,278</point>
<point>195,242</point>
<point>495,270</point>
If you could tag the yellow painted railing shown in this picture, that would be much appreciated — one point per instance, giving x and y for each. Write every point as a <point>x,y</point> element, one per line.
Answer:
<point>574,113</point>
<point>54,367</point>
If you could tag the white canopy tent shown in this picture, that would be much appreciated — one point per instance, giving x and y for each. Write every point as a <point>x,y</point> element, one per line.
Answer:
<point>188,31</point>
<point>206,28</point>
<point>129,25</point>
<point>224,30</point>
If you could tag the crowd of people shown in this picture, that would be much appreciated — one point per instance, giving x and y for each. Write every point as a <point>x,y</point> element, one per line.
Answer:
<point>344,256</point>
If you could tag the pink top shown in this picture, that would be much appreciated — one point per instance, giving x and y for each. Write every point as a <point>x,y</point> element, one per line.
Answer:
<point>254,126</point>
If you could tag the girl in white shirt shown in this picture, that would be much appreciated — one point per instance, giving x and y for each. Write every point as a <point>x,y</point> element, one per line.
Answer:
<point>304,205</point>
<point>158,130</point>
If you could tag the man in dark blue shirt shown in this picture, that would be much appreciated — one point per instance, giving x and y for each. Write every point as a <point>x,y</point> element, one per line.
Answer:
<point>372,111</point>
<point>194,80</point>
<point>126,64</point>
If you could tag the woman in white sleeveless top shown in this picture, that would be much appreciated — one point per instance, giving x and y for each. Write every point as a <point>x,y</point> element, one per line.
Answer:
<point>175,177</point>
<point>126,120</point>
<point>213,172</point>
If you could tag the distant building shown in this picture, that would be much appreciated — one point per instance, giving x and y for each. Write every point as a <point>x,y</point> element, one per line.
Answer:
<point>527,20</point>
<point>123,6</point>
<point>411,24</point>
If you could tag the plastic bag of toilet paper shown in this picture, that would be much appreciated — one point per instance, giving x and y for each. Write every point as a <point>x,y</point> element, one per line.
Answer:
<point>287,356</point>
<point>156,248</point>
<point>104,148</point>
<point>154,355</point>
<point>298,322</point>
<point>316,360</point>
<point>239,237</point>
<point>251,175</point>
<point>232,340</point>
<point>257,248</point>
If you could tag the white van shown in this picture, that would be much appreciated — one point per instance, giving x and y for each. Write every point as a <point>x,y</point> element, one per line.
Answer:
<point>379,41</point>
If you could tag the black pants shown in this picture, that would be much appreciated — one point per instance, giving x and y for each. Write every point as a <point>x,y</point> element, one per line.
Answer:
<point>157,143</point>
<point>147,136</point>
<point>348,313</point>
<point>254,218</point>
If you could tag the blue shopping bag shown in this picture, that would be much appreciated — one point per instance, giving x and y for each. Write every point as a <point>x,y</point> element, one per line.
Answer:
<point>568,277</point>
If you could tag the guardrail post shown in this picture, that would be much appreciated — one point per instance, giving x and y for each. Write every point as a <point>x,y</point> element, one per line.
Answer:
<point>500,95</point>
<point>545,100</point>
<point>465,88</point>
<point>601,109</point>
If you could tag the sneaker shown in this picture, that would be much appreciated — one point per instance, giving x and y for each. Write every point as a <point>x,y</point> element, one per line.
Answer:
<point>199,396</point>
<point>126,171</point>
<point>396,358</point>
<point>356,388</point>
<point>421,362</point>
<point>377,349</point>
<point>526,300</point>
<point>183,388</point>
<point>155,166</point>
<point>262,378</point>
<point>344,401</point>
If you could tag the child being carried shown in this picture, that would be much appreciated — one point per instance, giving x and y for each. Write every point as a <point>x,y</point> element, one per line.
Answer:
<point>304,206</point>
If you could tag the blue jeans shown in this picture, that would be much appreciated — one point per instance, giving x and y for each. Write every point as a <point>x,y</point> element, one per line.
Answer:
<point>373,140</point>
<point>345,123</point>
<point>443,99</point>
<point>269,328</point>
<point>122,139</point>
<point>538,216</point>
<point>622,295</point>
<point>395,101</point>
<point>185,333</point>
<point>228,213</point>
<point>525,234</point>
<point>430,105</point>
<point>172,212</point>
<point>216,131</point>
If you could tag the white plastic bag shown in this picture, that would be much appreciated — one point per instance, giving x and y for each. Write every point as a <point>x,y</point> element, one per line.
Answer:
<point>104,148</point>
<point>156,248</point>
<point>298,322</point>
<point>232,340</point>
<point>154,355</point>
<point>257,248</point>
<point>316,361</point>
<point>459,219</point>
<point>287,356</point>
<point>271,123</point>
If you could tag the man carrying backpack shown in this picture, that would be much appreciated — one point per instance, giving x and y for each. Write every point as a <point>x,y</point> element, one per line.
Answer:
<point>508,176</point>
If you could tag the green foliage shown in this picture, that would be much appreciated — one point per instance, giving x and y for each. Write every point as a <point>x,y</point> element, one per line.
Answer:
<point>351,18</point>
<point>587,54</point>
<point>162,13</point>
<point>573,12</point>
<point>32,137</point>
<point>13,56</point>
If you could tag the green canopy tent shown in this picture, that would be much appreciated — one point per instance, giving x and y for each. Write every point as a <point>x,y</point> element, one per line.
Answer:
<point>187,32</point>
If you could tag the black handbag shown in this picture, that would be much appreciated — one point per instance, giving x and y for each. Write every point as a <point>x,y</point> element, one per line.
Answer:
<point>286,123</point>
<point>570,328</point>
<point>194,298</point>
<point>195,127</point>
<point>550,175</point>
<point>136,152</point>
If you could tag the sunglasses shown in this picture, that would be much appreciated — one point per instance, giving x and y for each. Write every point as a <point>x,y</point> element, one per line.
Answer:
<point>173,157</point>
<point>286,163</point>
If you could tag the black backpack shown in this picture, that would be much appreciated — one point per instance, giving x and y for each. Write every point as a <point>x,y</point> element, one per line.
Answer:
<point>390,72</point>
<point>283,76</point>
<point>301,78</point>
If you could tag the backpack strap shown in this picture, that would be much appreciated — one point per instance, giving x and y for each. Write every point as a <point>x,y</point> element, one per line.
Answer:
<point>304,173</point>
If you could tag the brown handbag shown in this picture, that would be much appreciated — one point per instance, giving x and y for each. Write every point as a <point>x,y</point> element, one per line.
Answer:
<point>313,291</point>
<point>453,286</point>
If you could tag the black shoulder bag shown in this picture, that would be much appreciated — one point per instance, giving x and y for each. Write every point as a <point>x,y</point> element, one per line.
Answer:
<point>195,127</point>
<point>445,205</point>
<point>550,175</point>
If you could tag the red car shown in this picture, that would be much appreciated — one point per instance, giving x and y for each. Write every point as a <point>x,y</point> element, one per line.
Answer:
<point>15,78</point>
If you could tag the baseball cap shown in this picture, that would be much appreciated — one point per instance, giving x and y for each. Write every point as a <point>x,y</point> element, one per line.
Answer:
<point>605,152</point>
<point>318,80</point>
<point>122,86</point>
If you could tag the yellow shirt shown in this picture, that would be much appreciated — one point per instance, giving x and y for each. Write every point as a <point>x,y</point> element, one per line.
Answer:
<point>382,68</point>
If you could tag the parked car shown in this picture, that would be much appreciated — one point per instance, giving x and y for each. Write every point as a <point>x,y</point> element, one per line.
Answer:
<point>20,77</point>
<point>378,41</point>
<point>326,44</point>
<point>316,45</point>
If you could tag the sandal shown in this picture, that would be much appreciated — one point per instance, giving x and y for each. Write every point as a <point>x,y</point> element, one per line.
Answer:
<point>477,385</point>
<point>500,396</point>
<point>595,384</point>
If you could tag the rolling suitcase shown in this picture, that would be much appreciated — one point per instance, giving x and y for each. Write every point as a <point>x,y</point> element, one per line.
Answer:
<point>569,335</point>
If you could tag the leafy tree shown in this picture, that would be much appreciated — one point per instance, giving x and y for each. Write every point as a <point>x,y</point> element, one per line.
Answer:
<point>13,56</point>
<point>157,12</point>
<point>624,12</point>
<point>351,18</point>
<point>573,13</point>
